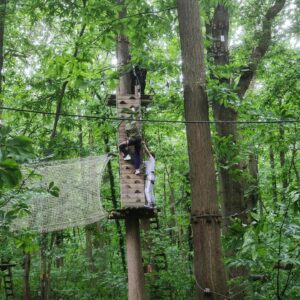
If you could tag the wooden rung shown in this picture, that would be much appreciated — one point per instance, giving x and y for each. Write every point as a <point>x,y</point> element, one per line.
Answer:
<point>126,188</point>
<point>132,186</point>
<point>131,196</point>
<point>131,173</point>
<point>126,96</point>
<point>124,115</point>
<point>126,166</point>
<point>124,109</point>
<point>133,181</point>
<point>129,201</point>
<point>128,104</point>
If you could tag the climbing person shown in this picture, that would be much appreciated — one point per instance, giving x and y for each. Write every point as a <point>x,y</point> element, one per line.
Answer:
<point>150,177</point>
<point>138,76</point>
<point>134,138</point>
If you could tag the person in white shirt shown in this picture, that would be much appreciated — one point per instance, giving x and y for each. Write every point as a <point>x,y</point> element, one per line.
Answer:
<point>150,178</point>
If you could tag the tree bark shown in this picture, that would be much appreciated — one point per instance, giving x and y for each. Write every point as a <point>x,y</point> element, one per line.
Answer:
<point>208,261</point>
<point>2,26</point>
<point>136,281</point>
<point>115,205</point>
<point>89,247</point>
<point>282,161</point>
<point>45,284</point>
<point>172,206</point>
<point>262,47</point>
<point>232,190</point>
<point>58,237</point>
<point>61,92</point>
<point>26,285</point>
<point>273,175</point>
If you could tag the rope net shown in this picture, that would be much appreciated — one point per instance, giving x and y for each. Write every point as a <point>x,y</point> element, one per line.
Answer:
<point>76,203</point>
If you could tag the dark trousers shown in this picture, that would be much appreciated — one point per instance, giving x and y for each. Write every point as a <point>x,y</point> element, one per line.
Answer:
<point>137,151</point>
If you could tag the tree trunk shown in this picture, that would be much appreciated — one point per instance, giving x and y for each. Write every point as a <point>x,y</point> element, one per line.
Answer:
<point>89,247</point>
<point>61,93</point>
<point>136,281</point>
<point>282,161</point>
<point>2,25</point>
<point>208,261</point>
<point>44,270</point>
<point>58,236</point>
<point>232,190</point>
<point>115,205</point>
<point>26,285</point>
<point>273,176</point>
<point>259,51</point>
<point>172,206</point>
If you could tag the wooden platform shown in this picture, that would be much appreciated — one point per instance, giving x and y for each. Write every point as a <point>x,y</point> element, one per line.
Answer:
<point>133,212</point>
<point>145,99</point>
<point>5,266</point>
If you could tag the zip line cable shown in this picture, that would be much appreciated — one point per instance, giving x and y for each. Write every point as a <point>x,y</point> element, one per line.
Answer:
<point>95,117</point>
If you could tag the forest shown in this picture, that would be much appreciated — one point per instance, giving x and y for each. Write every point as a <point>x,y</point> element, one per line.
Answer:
<point>217,90</point>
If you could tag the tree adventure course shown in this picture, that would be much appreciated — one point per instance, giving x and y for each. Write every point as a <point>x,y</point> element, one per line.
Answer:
<point>87,88</point>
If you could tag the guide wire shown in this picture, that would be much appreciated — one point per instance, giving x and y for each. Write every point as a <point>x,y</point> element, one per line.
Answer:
<point>97,117</point>
<point>209,291</point>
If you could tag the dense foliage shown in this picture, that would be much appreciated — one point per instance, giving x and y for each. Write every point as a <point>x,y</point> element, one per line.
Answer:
<point>59,56</point>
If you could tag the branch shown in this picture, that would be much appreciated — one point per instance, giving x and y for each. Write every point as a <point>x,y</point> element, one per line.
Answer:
<point>61,92</point>
<point>260,50</point>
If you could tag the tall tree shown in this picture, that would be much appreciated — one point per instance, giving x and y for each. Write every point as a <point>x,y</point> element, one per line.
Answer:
<point>208,261</point>
<point>233,189</point>
<point>62,89</point>
<point>2,23</point>
<point>26,282</point>
<point>136,281</point>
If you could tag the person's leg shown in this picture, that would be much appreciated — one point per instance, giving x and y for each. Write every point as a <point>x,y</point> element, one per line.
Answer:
<point>123,148</point>
<point>152,193</point>
<point>148,191</point>
<point>137,154</point>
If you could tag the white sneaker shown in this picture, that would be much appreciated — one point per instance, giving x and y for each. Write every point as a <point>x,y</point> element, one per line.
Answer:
<point>127,157</point>
<point>137,172</point>
<point>149,205</point>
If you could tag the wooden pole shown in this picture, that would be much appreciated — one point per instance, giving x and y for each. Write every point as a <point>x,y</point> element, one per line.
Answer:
<point>26,281</point>
<point>136,281</point>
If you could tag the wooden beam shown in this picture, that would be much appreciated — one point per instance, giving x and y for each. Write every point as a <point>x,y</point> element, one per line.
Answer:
<point>133,212</point>
<point>6,266</point>
<point>145,100</point>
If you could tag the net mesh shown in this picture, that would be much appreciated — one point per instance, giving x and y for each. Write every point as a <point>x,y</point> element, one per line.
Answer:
<point>78,200</point>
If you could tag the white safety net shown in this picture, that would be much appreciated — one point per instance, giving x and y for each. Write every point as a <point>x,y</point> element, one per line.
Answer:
<point>76,203</point>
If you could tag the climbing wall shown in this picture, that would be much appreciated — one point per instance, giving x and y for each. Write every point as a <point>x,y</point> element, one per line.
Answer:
<point>132,186</point>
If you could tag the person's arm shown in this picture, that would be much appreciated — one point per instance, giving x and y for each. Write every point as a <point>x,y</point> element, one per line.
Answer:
<point>146,149</point>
